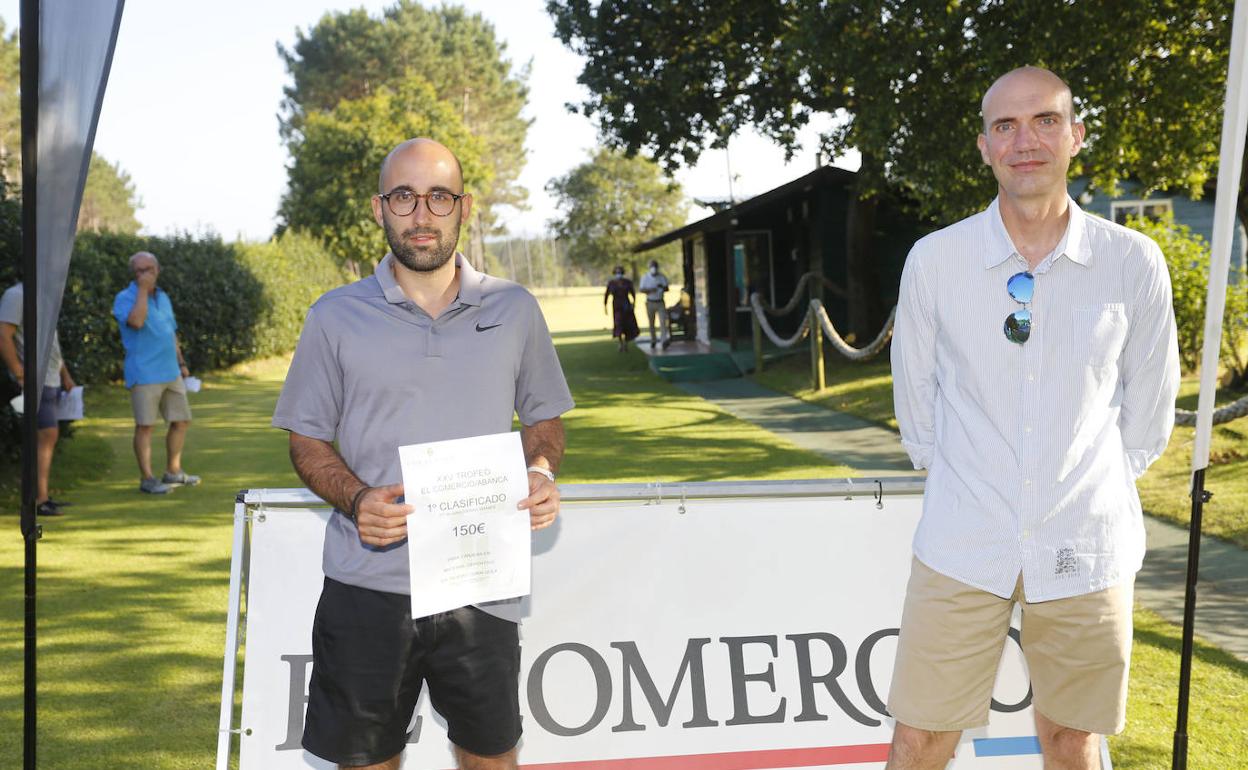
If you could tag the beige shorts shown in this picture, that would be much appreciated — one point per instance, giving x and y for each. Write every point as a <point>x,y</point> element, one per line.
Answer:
<point>1078,651</point>
<point>160,399</point>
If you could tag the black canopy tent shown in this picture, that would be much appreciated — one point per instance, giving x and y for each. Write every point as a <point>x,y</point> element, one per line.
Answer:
<point>66,53</point>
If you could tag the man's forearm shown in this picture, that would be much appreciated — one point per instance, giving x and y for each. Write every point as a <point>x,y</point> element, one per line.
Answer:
<point>324,471</point>
<point>138,313</point>
<point>543,443</point>
<point>8,349</point>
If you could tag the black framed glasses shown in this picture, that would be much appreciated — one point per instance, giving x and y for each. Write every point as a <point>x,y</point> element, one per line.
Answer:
<point>1021,287</point>
<point>403,201</point>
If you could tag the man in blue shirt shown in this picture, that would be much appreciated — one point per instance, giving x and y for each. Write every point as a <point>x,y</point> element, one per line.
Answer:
<point>154,371</point>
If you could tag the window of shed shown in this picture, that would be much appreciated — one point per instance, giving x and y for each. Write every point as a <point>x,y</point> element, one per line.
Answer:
<point>1151,209</point>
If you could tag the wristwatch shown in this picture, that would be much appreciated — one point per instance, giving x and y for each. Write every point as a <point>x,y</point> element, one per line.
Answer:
<point>542,472</point>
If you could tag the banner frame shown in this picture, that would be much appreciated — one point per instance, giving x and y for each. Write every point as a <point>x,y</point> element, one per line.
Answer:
<point>250,505</point>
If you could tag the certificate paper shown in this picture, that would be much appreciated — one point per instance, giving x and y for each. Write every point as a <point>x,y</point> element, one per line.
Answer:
<point>466,541</point>
<point>69,404</point>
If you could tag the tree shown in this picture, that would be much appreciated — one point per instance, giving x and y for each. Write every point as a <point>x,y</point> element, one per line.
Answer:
<point>338,155</point>
<point>10,108</point>
<point>904,78</point>
<point>351,55</point>
<point>610,204</point>
<point>109,200</point>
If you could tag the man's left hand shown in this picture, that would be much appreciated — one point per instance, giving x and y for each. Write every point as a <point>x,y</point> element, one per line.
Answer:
<point>542,502</point>
<point>185,372</point>
<point>67,382</point>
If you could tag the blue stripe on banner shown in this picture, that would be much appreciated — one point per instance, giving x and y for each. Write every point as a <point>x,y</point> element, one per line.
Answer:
<point>1007,747</point>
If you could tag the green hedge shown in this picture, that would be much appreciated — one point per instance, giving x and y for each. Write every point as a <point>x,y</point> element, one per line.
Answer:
<point>233,301</point>
<point>293,270</point>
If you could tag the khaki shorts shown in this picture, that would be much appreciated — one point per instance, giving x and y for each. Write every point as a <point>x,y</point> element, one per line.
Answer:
<point>160,399</point>
<point>1078,651</point>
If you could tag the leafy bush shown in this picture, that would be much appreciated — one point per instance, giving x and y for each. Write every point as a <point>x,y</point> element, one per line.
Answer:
<point>1187,256</point>
<point>293,270</point>
<point>215,298</point>
<point>233,301</point>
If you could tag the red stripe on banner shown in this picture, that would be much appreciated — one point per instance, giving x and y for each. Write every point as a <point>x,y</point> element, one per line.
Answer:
<point>735,760</point>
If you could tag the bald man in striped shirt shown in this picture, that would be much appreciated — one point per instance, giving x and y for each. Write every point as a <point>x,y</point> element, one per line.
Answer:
<point>1035,366</point>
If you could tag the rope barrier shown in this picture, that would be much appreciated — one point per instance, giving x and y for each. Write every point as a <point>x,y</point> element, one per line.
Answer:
<point>756,304</point>
<point>871,350</point>
<point>795,300</point>
<point>1231,411</point>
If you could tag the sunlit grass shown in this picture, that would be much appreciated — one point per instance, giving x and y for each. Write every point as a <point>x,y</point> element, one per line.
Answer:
<point>133,588</point>
<point>862,389</point>
<point>1217,729</point>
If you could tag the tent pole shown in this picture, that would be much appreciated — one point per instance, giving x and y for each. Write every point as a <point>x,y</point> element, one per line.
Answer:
<point>30,528</point>
<point>1234,125</point>
<point>1199,498</point>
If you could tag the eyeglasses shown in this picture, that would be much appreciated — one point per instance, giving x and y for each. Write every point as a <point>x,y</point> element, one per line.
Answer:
<point>1021,286</point>
<point>403,202</point>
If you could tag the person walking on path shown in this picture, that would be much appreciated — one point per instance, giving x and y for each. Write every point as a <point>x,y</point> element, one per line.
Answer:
<point>426,349</point>
<point>654,286</point>
<point>57,377</point>
<point>154,370</point>
<point>623,317</point>
<point>1033,432</point>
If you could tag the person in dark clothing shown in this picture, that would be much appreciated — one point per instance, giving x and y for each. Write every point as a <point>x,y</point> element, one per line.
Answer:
<point>624,296</point>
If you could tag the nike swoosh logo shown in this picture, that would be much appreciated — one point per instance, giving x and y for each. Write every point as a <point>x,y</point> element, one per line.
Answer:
<point>481,328</point>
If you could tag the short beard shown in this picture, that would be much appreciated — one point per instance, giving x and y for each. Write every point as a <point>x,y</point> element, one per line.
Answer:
<point>415,259</point>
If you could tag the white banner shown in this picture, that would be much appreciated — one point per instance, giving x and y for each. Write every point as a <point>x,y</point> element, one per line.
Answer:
<point>742,634</point>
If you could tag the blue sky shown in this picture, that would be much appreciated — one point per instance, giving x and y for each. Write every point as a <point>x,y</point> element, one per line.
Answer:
<point>191,112</point>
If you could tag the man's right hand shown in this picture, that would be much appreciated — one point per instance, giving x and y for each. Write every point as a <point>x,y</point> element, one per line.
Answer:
<point>379,519</point>
<point>19,374</point>
<point>146,281</point>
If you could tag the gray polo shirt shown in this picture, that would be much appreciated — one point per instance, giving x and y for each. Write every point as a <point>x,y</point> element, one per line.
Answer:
<point>373,372</point>
<point>11,313</point>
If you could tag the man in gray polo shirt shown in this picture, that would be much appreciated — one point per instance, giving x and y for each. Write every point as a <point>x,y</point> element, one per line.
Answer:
<point>426,349</point>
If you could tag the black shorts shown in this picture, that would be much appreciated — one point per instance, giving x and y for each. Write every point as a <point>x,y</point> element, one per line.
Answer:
<point>370,660</point>
<point>46,416</point>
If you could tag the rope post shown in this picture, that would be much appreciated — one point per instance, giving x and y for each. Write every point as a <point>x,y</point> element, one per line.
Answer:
<point>758,342</point>
<point>817,380</point>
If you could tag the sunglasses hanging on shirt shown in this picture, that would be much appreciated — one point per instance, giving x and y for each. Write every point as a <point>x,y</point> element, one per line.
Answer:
<point>1021,286</point>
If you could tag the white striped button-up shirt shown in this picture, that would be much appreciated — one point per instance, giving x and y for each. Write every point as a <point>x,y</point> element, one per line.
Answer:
<point>1032,450</point>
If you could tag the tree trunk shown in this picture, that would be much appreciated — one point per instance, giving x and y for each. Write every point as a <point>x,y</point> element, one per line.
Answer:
<point>866,310</point>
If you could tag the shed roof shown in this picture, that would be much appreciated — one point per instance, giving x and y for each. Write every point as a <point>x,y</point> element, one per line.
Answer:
<point>724,219</point>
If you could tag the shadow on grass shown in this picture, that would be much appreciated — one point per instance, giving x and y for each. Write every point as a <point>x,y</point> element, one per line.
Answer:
<point>133,588</point>
<point>630,425</point>
<point>1217,702</point>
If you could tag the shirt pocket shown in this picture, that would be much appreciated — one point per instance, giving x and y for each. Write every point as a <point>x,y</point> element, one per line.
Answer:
<point>1100,332</point>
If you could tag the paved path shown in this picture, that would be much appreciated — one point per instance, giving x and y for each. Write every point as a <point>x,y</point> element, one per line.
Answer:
<point>840,437</point>
<point>1222,593</point>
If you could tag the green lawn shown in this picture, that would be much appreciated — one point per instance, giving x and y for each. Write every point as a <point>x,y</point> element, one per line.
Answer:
<point>1165,490</point>
<point>133,588</point>
<point>864,389</point>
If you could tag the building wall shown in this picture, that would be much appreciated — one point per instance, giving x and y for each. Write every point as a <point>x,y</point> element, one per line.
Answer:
<point>1196,214</point>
